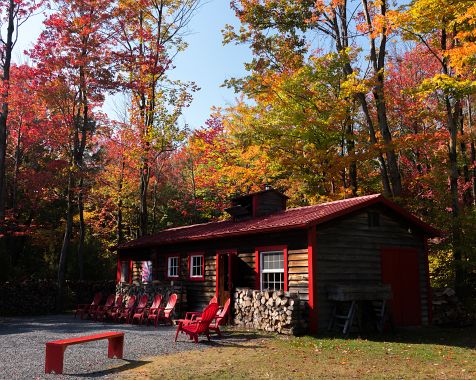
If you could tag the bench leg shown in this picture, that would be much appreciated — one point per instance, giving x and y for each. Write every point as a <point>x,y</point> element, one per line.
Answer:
<point>115,347</point>
<point>54,359</point>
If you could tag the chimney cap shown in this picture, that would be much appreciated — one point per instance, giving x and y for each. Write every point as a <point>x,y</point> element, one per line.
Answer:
<point>250,195</point>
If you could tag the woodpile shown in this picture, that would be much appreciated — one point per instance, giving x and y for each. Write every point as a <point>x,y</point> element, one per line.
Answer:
<point>448,310</point>
<point>274,311</point>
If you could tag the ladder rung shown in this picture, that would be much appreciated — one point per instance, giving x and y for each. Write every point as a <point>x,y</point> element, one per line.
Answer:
<point>342,316</point>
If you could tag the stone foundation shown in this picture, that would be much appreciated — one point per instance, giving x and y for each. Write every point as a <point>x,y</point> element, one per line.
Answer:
<point>151,289</point>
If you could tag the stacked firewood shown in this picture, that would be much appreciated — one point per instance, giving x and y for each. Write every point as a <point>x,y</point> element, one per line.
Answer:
<point>274,311</point>
<point>448,310</point>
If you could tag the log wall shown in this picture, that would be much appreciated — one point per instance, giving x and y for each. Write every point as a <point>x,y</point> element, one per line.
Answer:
<point>348,252</point>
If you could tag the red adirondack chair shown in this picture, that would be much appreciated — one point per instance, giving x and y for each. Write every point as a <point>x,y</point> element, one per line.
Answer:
<point>126,311</point>
<point>191,315</point>
<point>200,326</point>
<point>220,318</point>
<point>140,315</point>
<point>163,313</point>
<point>83,309</point>
<point>114,309</point>
<point>139,310</point>
<point>93,313</point>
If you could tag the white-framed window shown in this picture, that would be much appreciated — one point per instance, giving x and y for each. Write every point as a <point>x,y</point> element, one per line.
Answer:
<point>196,266</point>
<point>173,266</point>
<point>272,270</point>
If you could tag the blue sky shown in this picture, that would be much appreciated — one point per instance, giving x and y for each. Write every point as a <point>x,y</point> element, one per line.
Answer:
<point>206,61</point>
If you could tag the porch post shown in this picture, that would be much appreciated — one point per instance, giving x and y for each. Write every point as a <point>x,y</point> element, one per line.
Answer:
<point>118,272</point>
<point>131,268</point>
<point>428,285</point>
<point>217,273</point>
<point>312,271</point>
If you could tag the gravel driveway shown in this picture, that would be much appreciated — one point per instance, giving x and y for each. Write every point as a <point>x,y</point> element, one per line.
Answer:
<point>22,347</point>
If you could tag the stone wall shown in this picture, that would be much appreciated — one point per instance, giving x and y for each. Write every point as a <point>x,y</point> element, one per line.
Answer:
<point>38,296</point>
<point>151,289</point>
<point>274,311</point>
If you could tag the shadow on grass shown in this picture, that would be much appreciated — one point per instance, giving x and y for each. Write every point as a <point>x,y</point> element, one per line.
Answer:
<point>228,339</point>
<point>130,364</point>
<point>464,337</point>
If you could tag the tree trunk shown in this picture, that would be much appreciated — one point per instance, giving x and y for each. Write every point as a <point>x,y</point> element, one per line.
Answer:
<point>16,171</point>
<point>79,148</point>
<point>452,120</point>
<point>349,138</point>
<point>82,230</point>
<point>66,241</point>
<point>4,113</point>
<point>467,196</point>
<point>473,163</point>
<point>120,231</point>
<point>472,149</point>
<point>373,139</point>
<point>144,186</point>
<point>392,161</point>
<point>377,58</point>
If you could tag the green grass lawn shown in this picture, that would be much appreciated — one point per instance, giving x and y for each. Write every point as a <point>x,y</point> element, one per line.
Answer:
<point>427,353</point>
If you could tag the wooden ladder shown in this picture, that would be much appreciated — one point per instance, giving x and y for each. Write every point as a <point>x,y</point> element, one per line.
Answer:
<point>344,321</point>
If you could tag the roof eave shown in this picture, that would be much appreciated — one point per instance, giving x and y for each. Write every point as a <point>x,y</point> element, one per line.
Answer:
<point>428,230</point>
<point>219,236</point>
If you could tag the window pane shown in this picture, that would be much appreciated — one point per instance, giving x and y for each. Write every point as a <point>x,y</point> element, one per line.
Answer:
<point>273,260</point>
<point>272,270</point>
<point>173,267</point>
<point>196,266</point>
<point>124,271</point>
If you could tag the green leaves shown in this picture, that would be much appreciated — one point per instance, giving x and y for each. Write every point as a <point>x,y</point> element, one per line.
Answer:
<point>447,85</point>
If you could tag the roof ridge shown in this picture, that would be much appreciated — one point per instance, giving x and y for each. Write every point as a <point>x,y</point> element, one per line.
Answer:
<point>298,217</point>
<point>360,198</point>
<point>264,217</point>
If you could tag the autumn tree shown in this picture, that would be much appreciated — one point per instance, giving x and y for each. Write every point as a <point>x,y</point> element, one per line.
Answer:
<point>280,32</point>
<point>149,34</point>
<point>445,30</point>
<point>302,122</point>
<point>216,166</point>
<point>72,56</point>
<point>13,13</point>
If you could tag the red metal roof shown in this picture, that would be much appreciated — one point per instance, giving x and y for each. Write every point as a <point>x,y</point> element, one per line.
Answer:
<point>293,218</point>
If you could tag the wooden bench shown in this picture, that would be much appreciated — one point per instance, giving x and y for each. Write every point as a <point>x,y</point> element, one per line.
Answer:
<point>55,349</point>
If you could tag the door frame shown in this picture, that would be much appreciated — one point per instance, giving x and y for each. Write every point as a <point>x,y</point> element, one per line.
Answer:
<point>229,253</point>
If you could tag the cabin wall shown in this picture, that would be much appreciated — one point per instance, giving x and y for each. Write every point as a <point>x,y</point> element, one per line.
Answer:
<point>199,292</point>
<point>244,276</point>
<point>348,252</point>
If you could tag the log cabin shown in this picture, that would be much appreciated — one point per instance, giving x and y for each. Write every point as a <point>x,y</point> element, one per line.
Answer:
<point>367,240</point>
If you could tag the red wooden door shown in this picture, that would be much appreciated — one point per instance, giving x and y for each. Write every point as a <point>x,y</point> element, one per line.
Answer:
<point>400,269</point>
